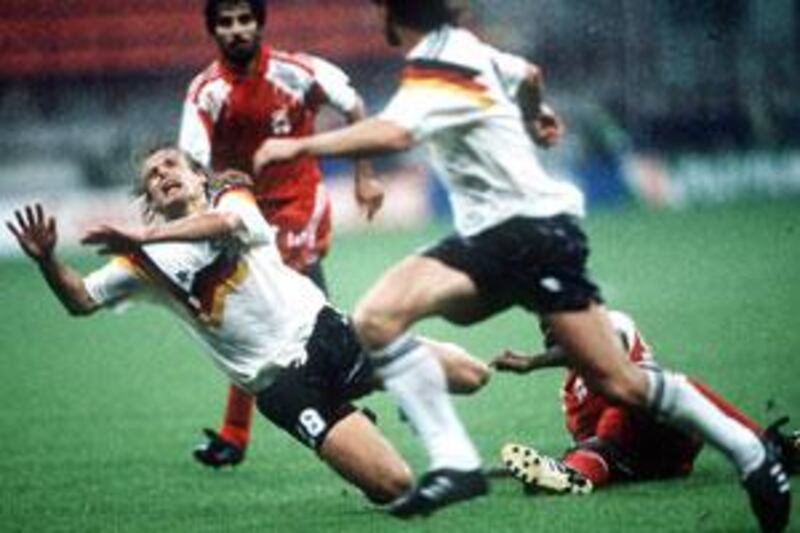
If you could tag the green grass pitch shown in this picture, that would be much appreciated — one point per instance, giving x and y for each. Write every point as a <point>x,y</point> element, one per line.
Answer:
<point>98,416</point>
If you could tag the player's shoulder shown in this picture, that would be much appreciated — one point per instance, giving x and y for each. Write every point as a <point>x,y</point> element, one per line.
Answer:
<point>313,65</point>
<point>463,36</point>
<point>450,44</point>
<point>230,183</point>
<point>297,60</point>
<point>205,78</point>
<point>448,49</point>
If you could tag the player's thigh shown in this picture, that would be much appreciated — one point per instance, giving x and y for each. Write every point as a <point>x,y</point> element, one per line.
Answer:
<point>417,287</point>
<point>357,450</point>
<point>597,354</point>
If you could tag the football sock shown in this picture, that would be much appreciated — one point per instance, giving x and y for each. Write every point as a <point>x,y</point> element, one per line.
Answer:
<point>238,416</point>
<point>590,465</point>
<point>415,379</point>
<point>726,407</point>
<point>676,401</point>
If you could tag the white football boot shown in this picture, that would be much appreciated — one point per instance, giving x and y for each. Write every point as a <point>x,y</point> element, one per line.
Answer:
<point>540,472</point>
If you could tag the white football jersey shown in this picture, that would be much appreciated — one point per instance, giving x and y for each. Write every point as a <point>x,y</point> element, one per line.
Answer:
<point>458,95</point>
<point>252,311</point>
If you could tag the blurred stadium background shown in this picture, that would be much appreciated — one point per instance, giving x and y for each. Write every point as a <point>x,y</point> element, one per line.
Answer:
<point>683,129</point>
<point>671,103</point>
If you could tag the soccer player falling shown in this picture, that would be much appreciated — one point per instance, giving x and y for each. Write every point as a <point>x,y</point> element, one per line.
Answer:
<point>253,93</point>
<point>207,254</point>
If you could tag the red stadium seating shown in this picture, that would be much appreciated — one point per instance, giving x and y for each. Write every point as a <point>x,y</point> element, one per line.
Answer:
<point>49,38</point>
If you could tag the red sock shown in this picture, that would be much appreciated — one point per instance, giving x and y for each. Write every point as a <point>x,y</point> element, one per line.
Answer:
<point>238,416</point>
<point>590,464</point>
<point>726,407</point>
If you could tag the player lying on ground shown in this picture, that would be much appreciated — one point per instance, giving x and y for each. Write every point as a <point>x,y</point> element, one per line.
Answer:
<point>613,443</point>
<point>254,92</point>
<point>212,260</point>
<point>517,241</point>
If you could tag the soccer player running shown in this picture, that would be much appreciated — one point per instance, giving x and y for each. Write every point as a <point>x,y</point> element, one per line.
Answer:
<point>612,443</point>
<point>253,93</point>
<point>517,242</point>
<point>211,258</point>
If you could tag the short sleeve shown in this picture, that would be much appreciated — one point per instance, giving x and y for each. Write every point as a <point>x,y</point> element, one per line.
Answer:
<point>335,85</point>
<point>194,136</point>
<point>510,68</point>
<point>240,200</point>
<point>116,281</point>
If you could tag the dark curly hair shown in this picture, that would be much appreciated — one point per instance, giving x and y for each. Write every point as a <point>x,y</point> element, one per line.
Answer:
<point>423,15</point>
<point>258,7</point>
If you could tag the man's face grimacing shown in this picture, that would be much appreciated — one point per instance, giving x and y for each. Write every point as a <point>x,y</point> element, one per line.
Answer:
<point>172,187</point>
<point>237,32</point>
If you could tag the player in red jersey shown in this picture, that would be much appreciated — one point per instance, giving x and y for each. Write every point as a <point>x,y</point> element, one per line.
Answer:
<point>250,94</point>
<point>613,443</point>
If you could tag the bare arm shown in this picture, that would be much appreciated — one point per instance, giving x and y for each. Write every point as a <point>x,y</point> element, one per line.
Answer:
<point>372,136</point>
<point>544,126</point>
<point>199,227</point>
<point>37,236</point>
<point>510,361</point>
<point>529,95</point>
<point>368,188</point>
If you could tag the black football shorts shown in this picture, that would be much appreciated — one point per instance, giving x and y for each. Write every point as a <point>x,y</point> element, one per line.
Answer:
<point>537,263</point>
<point>307,400</point>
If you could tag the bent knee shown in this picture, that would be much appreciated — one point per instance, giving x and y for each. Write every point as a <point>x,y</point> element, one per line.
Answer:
<point>628,392</point>
<point>377,327</point>
<point>627,386</point>
<point>470,378</point>
<point>482,375</point>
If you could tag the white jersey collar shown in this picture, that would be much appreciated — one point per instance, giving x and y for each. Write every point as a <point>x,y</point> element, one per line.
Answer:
<point>431,44</point>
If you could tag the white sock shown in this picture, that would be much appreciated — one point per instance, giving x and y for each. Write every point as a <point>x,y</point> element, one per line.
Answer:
<point>416,381</point>
<point>676,401</point>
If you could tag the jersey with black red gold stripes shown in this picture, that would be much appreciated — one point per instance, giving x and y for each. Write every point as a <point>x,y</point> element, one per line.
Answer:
<point>459,96</point>
<point>253,312</point>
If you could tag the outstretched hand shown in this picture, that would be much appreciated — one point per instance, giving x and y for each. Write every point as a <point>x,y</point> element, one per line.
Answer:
<point>113,240</point>
<point>35,233</point>
<point>369,191</point>
<point>276,151</point>
<point>510,361</point>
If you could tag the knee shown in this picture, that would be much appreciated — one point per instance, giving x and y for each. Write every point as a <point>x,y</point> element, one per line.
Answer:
<point>464,373</point>
<point>377,327</point>
<point>477,376</point>
<point>393,484</point>
<point>469,378</point>
<point>625,388</point>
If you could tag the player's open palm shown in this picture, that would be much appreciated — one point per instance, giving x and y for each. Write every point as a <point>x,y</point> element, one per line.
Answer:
<point>547,128</point>
<point>35,232</point>
<point>368,190</point>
